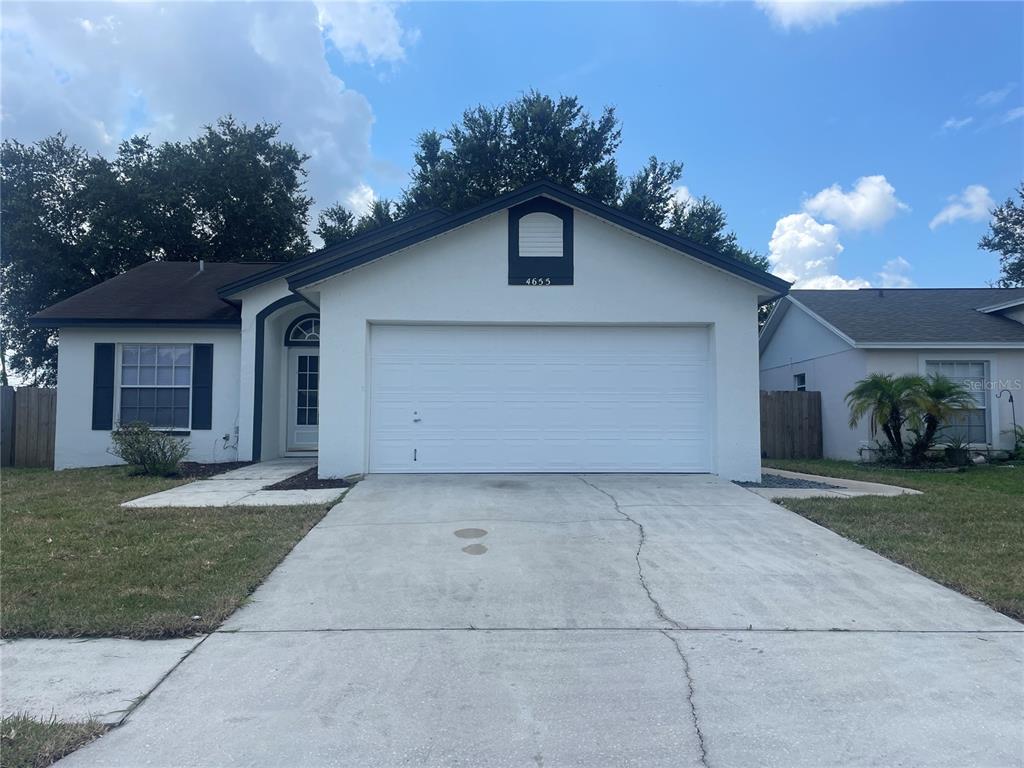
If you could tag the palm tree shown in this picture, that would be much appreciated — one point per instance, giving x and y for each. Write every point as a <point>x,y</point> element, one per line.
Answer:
<point>889,400</point>
<point>937,399</point>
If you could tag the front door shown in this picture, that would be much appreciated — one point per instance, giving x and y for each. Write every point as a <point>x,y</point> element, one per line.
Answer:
<point>303,398</point>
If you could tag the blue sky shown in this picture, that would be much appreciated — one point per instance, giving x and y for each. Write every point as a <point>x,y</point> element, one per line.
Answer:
<point>769,106</point>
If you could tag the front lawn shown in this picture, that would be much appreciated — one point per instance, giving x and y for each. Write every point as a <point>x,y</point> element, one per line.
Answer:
<point>74,563</point>
<point>966,531</point>
<point>29,743</point>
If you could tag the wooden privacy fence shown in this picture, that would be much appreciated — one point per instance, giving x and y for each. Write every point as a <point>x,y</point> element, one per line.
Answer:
<point>28,422</point>
<point>791,425</point>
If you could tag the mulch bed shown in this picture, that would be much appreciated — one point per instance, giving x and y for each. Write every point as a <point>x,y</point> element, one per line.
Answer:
<point>194,470</point>
<point>306,481</point>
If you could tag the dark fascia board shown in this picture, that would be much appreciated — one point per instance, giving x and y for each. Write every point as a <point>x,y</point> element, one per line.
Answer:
<point>65,322</point>
<point>347,261</point>
<point>290,267</point>
<point>772,324</point>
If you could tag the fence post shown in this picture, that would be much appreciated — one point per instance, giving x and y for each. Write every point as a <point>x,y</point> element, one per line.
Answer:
<point>6,426</point>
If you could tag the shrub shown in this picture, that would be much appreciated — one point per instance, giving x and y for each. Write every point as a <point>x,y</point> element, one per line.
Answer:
<point>152,451</point>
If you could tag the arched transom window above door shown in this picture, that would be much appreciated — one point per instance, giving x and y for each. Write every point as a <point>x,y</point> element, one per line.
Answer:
<point>303,331</point>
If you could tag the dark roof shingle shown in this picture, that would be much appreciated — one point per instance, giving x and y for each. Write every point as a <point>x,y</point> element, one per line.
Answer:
<point>154,293</point>
<point>910,315</point>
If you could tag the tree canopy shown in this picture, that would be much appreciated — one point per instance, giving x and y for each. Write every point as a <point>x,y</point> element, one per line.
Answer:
<point>1005,236</point>
<point>72,219</point>
<point>494,150</point>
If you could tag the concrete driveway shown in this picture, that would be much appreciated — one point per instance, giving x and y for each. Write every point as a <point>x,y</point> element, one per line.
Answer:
<point>598,620</point>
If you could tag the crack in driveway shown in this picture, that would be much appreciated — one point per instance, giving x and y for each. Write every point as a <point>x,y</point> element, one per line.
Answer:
<point>658,610</point>
<point>689,698</point>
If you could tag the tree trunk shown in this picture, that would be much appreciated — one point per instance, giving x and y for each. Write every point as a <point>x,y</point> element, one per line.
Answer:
<point>924,443</point>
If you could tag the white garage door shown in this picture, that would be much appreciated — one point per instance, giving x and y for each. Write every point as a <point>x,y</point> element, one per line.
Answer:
<point>539,399</point>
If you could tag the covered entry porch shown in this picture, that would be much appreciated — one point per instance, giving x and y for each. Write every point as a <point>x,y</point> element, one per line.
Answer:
<point>287,382</point>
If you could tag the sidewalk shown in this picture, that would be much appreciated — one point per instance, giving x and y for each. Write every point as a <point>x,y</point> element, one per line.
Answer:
<point>242,488</point>
<point>75,680</point>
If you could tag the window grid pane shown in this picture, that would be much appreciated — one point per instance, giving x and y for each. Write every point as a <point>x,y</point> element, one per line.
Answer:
<point>307,412</point>
<point>156,384</point>
<point>971,424</point>
<point>306,330</point>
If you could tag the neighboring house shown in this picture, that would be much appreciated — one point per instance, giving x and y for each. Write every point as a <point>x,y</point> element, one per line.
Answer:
<point>828,340</point>
<point>539,332</point>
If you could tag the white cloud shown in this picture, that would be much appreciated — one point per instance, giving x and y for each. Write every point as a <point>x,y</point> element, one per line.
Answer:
<point>682,195</point>
<point>894,274</point>
<point>973,204</point>
<point>365,31</point>
<point>360,199</point>
<point>1014,114</point>
<point>991,98</point>
<point>955,124</point>
<point>809,14</point>
<point>869,205</point>
<point>102,72</point>
<point>803,250</point>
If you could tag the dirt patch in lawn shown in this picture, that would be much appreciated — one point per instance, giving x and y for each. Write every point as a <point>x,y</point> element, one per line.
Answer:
<point>306,481</point>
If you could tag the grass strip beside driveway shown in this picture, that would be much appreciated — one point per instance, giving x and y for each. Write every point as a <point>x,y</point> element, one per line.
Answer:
<point>966,531</point>
<point>74,563</point>
<point>29,743</point>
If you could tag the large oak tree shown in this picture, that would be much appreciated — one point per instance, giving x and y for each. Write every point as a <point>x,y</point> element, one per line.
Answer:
<point>71,220</point>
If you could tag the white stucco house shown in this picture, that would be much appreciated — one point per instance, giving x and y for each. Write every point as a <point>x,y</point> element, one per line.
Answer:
<point>539,332</point>
<point>827,340</point>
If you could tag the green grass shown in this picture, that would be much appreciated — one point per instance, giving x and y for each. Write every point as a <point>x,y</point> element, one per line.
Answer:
<point>966,531</point>
<point>29,743</point>
<point>74,563</point>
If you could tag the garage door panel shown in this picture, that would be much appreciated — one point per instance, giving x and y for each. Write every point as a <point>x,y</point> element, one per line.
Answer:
<point>494,399</point>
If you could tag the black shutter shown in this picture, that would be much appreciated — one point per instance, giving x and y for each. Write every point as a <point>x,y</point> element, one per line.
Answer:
<point>103,386</point>
<point>202,386</point>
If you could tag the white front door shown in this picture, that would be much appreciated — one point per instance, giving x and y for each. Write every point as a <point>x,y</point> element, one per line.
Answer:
<point>303,398</point>
<point>540,399</point>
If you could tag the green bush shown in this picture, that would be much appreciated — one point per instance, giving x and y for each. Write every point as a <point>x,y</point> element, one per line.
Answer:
<point>150,450</point>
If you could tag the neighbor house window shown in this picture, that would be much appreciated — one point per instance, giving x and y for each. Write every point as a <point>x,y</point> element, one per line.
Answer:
<point>156,384</point>
<point>970,424</point>
<point>800,382</point>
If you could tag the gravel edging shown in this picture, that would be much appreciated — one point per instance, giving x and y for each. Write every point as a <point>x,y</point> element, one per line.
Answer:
<point>778,481</point>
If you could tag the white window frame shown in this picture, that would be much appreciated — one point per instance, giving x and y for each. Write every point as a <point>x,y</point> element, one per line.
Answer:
<point>965,356</point>
<point>800,386</point>
<point>118,385</point>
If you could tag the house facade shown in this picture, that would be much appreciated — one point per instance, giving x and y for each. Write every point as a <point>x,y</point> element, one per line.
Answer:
<point>828,340</point>
<point>539,332</point>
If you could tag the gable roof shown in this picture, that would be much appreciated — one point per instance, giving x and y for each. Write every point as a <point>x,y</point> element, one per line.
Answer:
<point>912,316</point>
<point>155,293</point>
<point>326,263</point>
<point>364,240</point>
<point>175,292</point>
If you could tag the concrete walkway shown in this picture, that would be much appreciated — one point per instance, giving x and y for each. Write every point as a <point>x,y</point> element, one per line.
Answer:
<point>242,488</point>
<point>846,489</point>
<point>594,620</point>
<point>97,679</point>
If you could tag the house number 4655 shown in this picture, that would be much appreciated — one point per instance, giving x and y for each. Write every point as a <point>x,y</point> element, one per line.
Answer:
<point>538,281</point>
